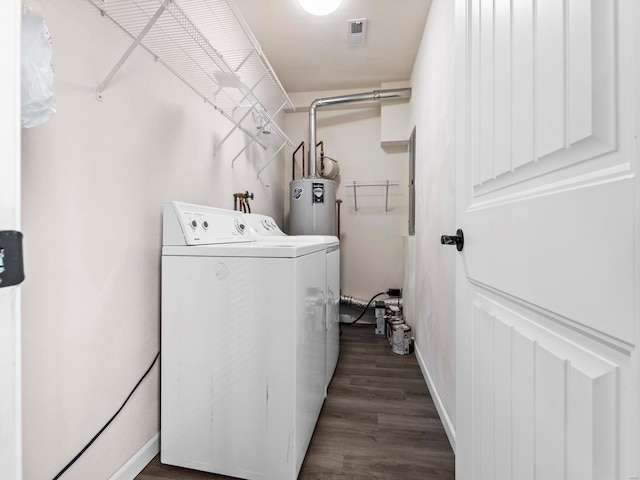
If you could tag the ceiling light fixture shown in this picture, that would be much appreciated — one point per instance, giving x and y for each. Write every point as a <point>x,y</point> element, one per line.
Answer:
<point>320,7</point>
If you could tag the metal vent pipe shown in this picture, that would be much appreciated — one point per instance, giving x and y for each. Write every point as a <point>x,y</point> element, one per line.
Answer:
<point>350,301</point>
<point>356,97</point>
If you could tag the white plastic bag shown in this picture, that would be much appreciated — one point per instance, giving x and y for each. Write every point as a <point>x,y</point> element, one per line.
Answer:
<point>36,70</point>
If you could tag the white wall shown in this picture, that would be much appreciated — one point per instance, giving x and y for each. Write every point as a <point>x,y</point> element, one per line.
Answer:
<point>10,431</point>
<point>371,240</point>
<point>433,106</point>
<point>94,179</point>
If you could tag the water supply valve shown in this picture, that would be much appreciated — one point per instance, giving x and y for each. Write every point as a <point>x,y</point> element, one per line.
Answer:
<point>241,201</point>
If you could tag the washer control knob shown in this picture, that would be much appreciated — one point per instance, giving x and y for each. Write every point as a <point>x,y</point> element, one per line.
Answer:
<point>265,224</point>
<point>205,224</point>
<point>193,224</point>
<point>239,225</point>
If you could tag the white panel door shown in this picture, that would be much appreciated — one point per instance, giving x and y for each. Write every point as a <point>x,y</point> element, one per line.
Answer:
<point>10,440</point>
<point>548,281</point>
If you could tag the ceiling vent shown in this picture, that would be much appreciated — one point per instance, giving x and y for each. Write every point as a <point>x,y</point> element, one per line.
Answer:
<point>356,31</point>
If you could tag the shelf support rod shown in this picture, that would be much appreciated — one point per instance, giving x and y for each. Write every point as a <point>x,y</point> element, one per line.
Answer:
<point>242,129</point>
<point>236,125</point>
<point>250,92</point>
<point>253,139</point>
<point>386,200</point>
<point>240,152</point>
<point>241,64</point>
<point>271,158</point>
<point>355,196</point>
<point>130,50</point>
<point>278,110</point>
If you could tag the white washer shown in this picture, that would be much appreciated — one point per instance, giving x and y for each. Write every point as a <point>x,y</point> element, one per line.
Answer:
<point>264,228</point>
<point>243,346</point>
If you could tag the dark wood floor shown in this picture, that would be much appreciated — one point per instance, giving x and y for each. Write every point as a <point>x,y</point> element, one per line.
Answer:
<point>378,421</point>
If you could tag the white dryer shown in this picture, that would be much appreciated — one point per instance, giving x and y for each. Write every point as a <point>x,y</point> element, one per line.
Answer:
<point>243,346</point>
<point>264,228</point>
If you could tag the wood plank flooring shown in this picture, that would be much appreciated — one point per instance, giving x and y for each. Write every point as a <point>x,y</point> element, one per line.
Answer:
<point>378,421</point>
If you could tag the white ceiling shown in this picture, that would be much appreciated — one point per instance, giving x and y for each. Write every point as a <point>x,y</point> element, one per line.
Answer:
<point>310,53</point>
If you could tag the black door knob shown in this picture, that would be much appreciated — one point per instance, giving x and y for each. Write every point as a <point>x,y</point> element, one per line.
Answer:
<point>457,240</point>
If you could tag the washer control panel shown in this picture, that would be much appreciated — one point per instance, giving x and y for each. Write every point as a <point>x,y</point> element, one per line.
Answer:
<point>201,225</point>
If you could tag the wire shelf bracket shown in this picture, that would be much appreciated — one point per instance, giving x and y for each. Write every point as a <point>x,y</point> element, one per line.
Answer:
<point>136,43</point>
<point>355,184</point>
<point>209,46</point>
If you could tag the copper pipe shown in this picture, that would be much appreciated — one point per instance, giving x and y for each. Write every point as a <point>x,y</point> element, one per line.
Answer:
<point>293,161</point>
<point>321,145</point>
<point>241,201</point>
<point>338,203</point>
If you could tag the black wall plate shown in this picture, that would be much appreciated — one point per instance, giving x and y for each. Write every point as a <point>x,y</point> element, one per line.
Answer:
<point>11,261</point>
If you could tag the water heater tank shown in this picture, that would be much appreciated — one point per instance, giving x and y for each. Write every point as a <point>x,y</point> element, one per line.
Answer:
<point>313,207</point>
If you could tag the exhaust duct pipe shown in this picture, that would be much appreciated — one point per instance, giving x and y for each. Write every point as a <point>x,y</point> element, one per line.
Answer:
<point>350,301</point>
<point>353,302</point>
<point>356,97</point>
<point>393,302</point>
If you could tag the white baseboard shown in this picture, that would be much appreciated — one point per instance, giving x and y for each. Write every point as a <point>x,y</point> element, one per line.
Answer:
<point>139,460</point>
<point>444,417</point>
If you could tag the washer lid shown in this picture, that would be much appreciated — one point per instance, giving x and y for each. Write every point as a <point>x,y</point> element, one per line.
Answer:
<point>253,249</point>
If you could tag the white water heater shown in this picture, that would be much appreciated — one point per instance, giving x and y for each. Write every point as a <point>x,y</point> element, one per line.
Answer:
<point>313,207</point>
<point>313,199</point>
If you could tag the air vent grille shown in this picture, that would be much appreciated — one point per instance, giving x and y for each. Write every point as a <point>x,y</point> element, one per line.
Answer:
<point>356,31</point>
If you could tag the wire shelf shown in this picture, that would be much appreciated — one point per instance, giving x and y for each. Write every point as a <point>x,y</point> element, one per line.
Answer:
<point>209,46</point>
<point>371,183</point>
<point>355,184</point>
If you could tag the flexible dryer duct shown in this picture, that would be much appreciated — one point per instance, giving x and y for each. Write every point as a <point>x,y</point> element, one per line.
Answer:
<point>359,303</point>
